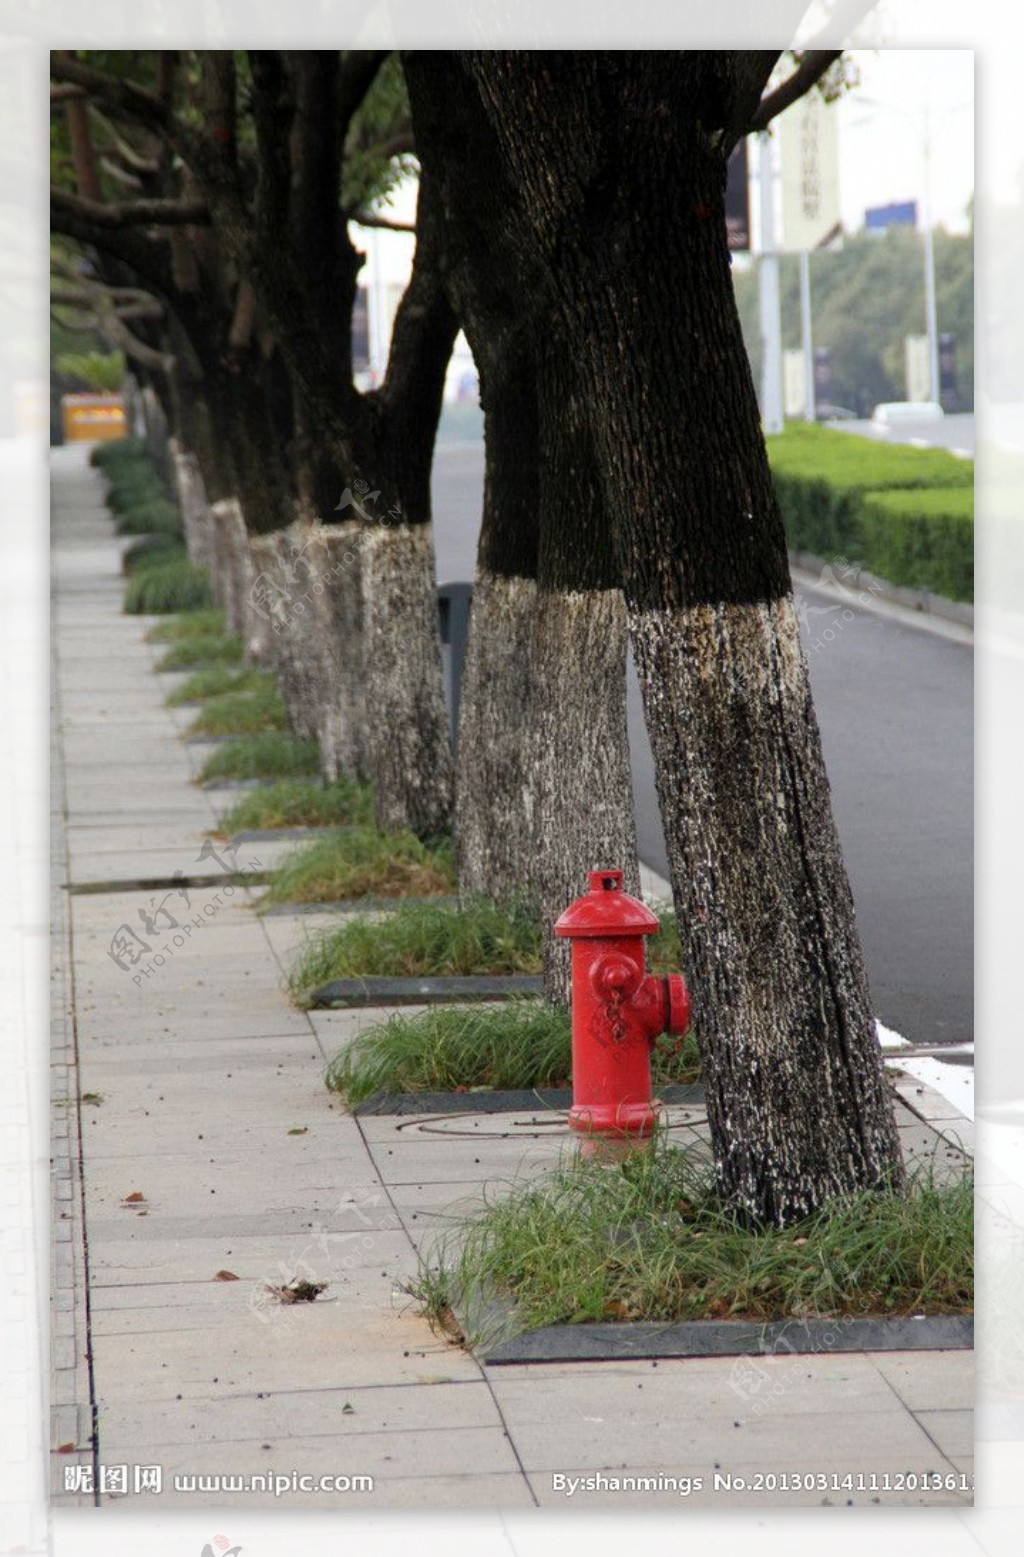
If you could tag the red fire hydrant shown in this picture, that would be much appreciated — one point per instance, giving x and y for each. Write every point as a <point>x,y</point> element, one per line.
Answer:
<point>618,1011</point>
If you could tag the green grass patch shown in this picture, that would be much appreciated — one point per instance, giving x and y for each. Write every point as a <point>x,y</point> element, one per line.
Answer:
<point>154,517</point>
<point>133,487</point>
<point>217,679</point>
<point>517,1046</point>
<point>301,803</point>
<point>363,862</point>
<point>438,939</point>
<point>853,463</point>
<point>118,452</point>
<point>184,653</point>
<point>166,587</point>
<point>924,540</point>
<point>424,939</point>
<point>151,550</point>
<point>273,754</point>
<point>240,713</point>
<point>208,622</point>
<point>649,1240</point>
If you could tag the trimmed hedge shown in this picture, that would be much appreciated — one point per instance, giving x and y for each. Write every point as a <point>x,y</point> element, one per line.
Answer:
<point>828,483</point>
<point>921,539</point>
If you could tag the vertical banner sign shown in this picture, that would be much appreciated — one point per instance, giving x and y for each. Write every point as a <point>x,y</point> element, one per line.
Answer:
<point>810,174</point>
<point>947,369</point>
<point>737,199</point>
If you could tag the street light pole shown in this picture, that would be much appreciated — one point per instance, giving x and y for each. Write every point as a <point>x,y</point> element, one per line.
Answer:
<point>771,318</point>
<point>810,407</point>
<point>931,312</point>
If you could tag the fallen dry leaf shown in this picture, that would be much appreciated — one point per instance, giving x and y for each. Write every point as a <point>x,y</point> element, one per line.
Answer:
<point>225,1275</point>
<point>133,1198</point>
<point>299,1130</point>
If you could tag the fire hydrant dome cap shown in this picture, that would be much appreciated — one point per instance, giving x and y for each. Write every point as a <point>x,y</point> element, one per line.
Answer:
<point>606,910</point>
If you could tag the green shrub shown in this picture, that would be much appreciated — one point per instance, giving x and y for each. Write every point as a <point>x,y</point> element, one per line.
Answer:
<point>924,540</point>
<point>151,550</point>
<point>119,451</point>
<point>166,587</point>
<point>821,476</point>
<point>155,517</point>
<point>132,487</point>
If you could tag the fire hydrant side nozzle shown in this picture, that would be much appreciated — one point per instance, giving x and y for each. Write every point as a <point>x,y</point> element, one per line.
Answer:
<point>618,1011</point>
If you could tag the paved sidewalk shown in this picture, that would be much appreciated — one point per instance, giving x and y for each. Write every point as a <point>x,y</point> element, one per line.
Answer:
<point>199,1157</point>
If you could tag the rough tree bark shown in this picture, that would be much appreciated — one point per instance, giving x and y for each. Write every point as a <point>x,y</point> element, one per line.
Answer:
<point>619,162</point>
<point>583,784</point>
<point>544,790</point>
<point>337,593</point>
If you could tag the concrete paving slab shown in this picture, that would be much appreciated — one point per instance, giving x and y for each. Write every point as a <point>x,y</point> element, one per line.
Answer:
<point>312,1347</point>
<point>344,1416</point>
<point>859,1440</point>
<point>930,1382</point>
<point>257,1248</point>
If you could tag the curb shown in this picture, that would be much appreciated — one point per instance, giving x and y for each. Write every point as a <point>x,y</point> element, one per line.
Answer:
<point>922,602</point>
<point>735,1338</point>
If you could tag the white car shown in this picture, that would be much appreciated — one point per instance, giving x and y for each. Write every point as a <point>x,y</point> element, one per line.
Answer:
<point>894,412</point>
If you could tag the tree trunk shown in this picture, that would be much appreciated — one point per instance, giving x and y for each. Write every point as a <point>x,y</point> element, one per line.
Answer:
<point>584,789</point>
<point>407,721</point>
<point>495,768</point>
<point>338,623</point>
<point>619,162</point>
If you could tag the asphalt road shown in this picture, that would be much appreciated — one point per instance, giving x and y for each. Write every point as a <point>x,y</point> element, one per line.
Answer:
<point>955,432</point>
<point>895,706</point>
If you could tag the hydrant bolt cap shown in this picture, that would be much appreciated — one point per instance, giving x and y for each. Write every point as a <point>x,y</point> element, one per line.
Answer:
<point>606,911</point>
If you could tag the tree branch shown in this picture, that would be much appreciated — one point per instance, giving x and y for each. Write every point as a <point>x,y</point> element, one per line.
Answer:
<point>364,219</point>
<point>133,213</point>
<point>123,98</point>
<point>813,65</point>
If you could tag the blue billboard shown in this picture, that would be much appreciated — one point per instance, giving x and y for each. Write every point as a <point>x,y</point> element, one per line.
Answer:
<point>900,213</point>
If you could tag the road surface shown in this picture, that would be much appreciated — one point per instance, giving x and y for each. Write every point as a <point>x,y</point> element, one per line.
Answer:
<point>895,708</point>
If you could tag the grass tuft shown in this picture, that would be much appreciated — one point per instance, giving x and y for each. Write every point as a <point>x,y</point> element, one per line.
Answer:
<point>217,679</point>
<point>424,939</point>
<point>166,587</point>
<point>516,1046</point>
<point>273,754</point>
<point>207,622</point>
<point>151,550</point>
<point>363,862</point>
<point>240,713</point>
<point>184,653</point>
<point>118,452</point>
<point>522,1044</point>
<point>155,516</point>
<point>649,1240</point>
<point>301,803</point>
